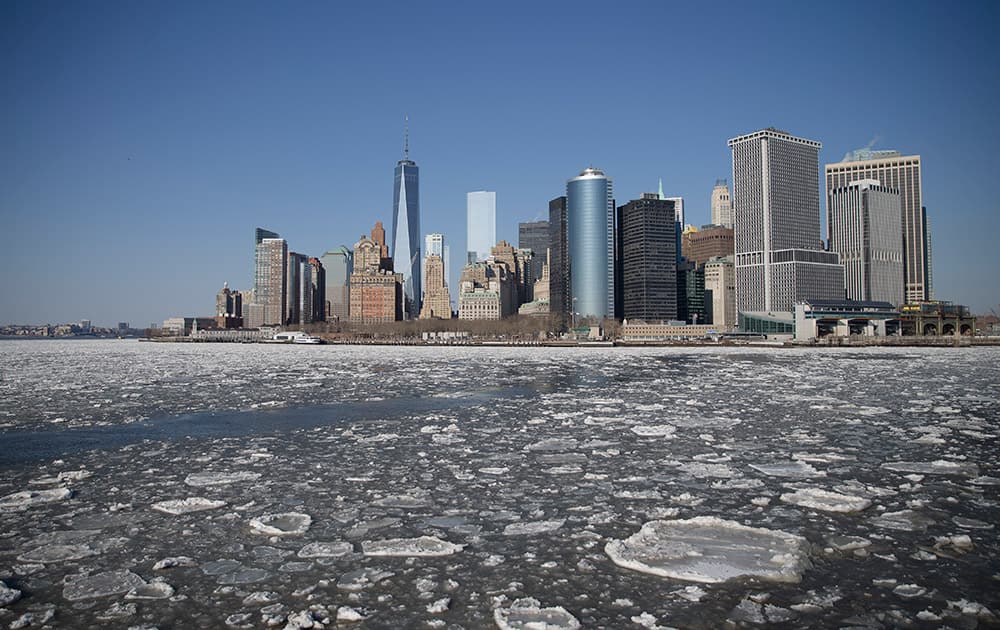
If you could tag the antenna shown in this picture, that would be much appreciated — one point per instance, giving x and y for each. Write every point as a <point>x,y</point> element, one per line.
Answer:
<point>406,136</point>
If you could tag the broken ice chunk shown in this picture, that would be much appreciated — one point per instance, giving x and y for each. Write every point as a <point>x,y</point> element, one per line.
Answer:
<point>422,546</point>
<point>219,478</point>
<point>19,501</point>
<point>709,549</point>
<point>101,584</point>
<point>184,506</point>
<point>538,527</point>
<point>326,549</point>
<point>283,524</point>
<point>527,613</point>
<point>825,500</point>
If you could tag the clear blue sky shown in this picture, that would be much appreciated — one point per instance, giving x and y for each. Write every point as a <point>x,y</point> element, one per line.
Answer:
<point>142,142</point>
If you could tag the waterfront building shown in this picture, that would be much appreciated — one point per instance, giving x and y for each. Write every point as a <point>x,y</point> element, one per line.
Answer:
<point>376,294</point>
<point>228,308</point>
<point>647,255</point>
<point>317,311</point>
<point>779,258</point>
<point>299,289</point>
<point>503,253</point>
<point>534,235</point>
<point>590,220</point>
<point>720,293</point>
<point>722,205</point>
<point>434,244</point>
<point>691,292</point>
<point>901,172</point>
<point>437,301</point>
<point>270,279</point>
<point>639,331</point>
<point>865,228</point>
<point>815,319</point>
<point>701,245</point>
<point>483,291</point>
<point>559,276</point>
<point>481,224</point>
<point>406,229</point>
<point>337,266</point>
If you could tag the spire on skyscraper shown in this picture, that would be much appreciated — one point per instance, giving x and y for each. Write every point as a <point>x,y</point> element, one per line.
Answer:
<point>406,136</point>
<point>660,191</point>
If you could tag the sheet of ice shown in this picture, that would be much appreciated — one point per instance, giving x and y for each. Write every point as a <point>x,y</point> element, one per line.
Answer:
<point>709,549</point>
<point>47,554</point>
<point>80,587</point>
<point>325,550</point>
<point>282,524</point>
<point>553,444</point>
<point>794,469</point>
<point>654,430</point>
<point>936,467</point>
<point>360,579</point>
<point>532,528</point>
<point>185,506</point>
<point>903,520</point>
<point>153,590</point>
<point>174,561</point>
<point>27,498</point>
<point>422,546</point>
<point>219,478</point>
<point>825,500</point>
<point>527,614</point>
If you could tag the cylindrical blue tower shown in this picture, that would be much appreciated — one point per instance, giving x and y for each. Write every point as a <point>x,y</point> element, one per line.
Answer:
<point>590,223</point>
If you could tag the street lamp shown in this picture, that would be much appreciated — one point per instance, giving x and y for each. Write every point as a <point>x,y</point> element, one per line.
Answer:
<point>574,312</point>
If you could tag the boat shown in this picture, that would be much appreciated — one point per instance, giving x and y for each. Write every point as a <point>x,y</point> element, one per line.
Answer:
<point>295,336</point>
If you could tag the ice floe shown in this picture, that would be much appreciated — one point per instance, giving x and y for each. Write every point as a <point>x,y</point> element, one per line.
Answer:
<point>28,498</point>
<point>527,614</point>
<point>903,520</point>
<point>794,469</point>
<point>185,506</point>
<point>325,550</point>
<point>8,595</point>
<point>709,549</point>
<point>47,554</point>
<point>936,467</point>
<point>825,500</point>
<point>410,547</point>
<point>531,528</point>
<point>654,430</point>
<point>283,524</point>
<point>119,582</point>
<point>219,478</point>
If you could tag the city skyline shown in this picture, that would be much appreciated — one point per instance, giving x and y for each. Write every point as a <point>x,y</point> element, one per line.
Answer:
<point>137,167</point>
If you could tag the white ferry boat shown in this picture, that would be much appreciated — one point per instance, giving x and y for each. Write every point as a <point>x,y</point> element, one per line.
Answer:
<point>296,336</point>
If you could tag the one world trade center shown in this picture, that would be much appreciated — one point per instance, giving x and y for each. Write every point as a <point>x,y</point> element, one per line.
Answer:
<point>406,229</point>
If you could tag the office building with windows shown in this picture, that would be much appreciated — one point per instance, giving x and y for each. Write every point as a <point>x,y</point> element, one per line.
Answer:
<point>901,172</point>
<point>779,255</point>
<point>406,230</point>
<point>647,258</point>
<point>865,228</point>
<point>590,221</point>
<point>481,225</point>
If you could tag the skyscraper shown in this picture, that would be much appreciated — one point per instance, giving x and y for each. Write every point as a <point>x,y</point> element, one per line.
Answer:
<point>481,224</point>
<point>865,229</point>
<point>338,266</point>
<point>720,292</point>
<point>559,285</point>
<point>648,258</point>
<point>437,301</point>
<point>299,280</point>
<point>433,245</point>
<point>591,220</point>
<point>534,235</point>
<point>779,258</point>
<point>406,229</point>
<point>722,205</point>
<point>901,172</point>
<point>270,282</point>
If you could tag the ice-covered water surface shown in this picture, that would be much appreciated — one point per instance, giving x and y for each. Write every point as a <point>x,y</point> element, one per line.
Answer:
<point>864,475</point>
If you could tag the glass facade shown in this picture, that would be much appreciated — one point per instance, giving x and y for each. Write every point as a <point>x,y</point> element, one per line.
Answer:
<point>338,266</point>
<point>481,225</point>
<point>406,233</point>
<point>590,219</point>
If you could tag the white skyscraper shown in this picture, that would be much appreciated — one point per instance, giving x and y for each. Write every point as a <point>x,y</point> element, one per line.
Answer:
<point>722,205</point>
<point>779,256</point>
<point>865,228</point>
<point>481,225</point>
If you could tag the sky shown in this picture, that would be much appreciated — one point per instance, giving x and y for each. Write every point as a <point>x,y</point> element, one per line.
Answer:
<point>141,143</point>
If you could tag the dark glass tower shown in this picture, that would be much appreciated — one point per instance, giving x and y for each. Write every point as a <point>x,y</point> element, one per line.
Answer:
<point>559,290</point>
<point>406,230</point>
<point>647,259</point>
<point>534,235</point>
